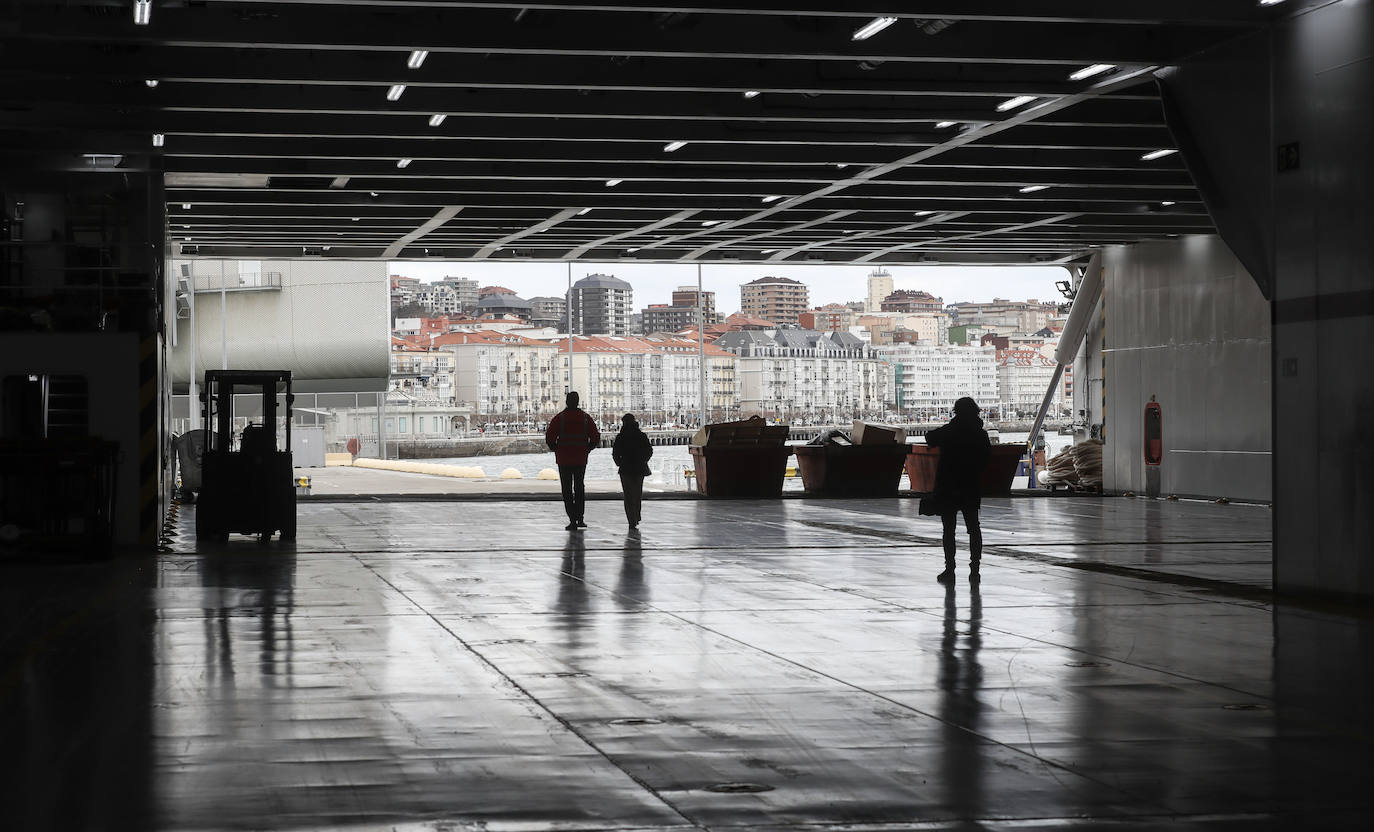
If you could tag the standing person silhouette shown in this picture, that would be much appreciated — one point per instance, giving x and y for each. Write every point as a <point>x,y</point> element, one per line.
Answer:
<point>964,451</point>
<point>631,452</point>
<point>572,435</point>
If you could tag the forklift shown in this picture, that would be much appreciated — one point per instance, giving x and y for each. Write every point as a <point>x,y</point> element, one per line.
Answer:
<point>246,487</point>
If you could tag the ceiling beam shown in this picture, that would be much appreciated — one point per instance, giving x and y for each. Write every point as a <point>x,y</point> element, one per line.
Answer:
<point>487,250</point>
<point>195,66</point>
<point>966,236</point>
<point>1125,12</point>
<point>440,217</point>
<point>681,216</point>
<point>447,30</point>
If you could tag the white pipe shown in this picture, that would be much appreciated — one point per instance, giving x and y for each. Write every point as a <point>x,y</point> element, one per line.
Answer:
<point>194,401</point>
<point>569,306</point>
<point>223,320</point>
<point>1084,303</point>
<point>701,345</point>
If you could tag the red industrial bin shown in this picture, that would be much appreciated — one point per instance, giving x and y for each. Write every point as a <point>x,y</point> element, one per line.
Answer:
<point>997,476</point>
<point>740,471</point>
<point>866,470</point>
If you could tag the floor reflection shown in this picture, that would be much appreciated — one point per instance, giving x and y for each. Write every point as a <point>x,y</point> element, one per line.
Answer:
<point>961,686</point>
<point>240,588</point>
<point>573,603</point>
<point>631,590</point>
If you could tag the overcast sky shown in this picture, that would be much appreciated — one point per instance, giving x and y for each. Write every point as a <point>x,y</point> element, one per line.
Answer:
<point>654,282</point>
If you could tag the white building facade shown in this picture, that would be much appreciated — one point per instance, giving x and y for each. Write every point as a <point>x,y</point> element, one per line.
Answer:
<point>1023,376</point>
<point>879,287</point>
<point>807,375</point>
<point>928,379</point>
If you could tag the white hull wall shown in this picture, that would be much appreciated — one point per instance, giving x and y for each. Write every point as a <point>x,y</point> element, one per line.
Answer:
<point>328,325</point>
<point>1186,324</point>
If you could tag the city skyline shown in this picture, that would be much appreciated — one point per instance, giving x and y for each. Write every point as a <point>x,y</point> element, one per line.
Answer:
<point>654,282</point>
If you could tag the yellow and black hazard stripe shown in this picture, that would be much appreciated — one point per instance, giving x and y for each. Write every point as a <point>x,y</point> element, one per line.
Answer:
<point>149,457</point>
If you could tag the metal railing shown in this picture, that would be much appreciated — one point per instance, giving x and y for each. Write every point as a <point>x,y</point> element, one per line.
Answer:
<point>249,281</point>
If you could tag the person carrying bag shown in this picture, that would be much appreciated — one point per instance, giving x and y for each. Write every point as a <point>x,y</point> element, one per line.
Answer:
<point>631,451</point>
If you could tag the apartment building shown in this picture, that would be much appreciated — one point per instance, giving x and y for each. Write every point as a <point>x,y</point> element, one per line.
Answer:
<point>1023,376</point>
<point>504,375</point>
<point>601,304</point>
<point>656,377</point>
<point>879,287</point>
<point>1014,316</point>
<point>687,296</point>
<point>778,300</point>
<point>911,300</point>
<point>833,317</point>
<point>550,311</point>
<point>806,374</point>
<point>660,317</point>
<point>928,378</point>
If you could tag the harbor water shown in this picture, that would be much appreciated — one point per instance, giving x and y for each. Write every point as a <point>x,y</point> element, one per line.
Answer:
<point>670,464</point>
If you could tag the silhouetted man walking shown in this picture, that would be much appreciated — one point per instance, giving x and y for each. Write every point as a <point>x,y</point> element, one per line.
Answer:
<point>571,435</point>
<point>964,451</point>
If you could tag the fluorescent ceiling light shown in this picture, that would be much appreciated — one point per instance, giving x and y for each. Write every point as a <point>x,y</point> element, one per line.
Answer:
<point>437,119</point>
<point>395,92</point>
<point>712,222</point>
<point>611,183</point>
<point>1270,2</point>
<point>185,206</point>
<point>873,27</point>
<point>1166,203</point>
<point>1090,71</point>
<point>355,219</point>
<point>924,213</point>
<point>768,251</point>
<point>417,58</point>
<point>773,198</point>
<point>159,139</point>
<point>143,12</point>
<point>1030,189</point>
<point>584,211</point>
<point>151,82</point>
<point>751,93</point>
<point>1157,154</point>
<point>1013,103</point>
<point>672,146</point>
<point>841,165</point>
<point>403,163</point>
<point>943,124</point>
<point>631,250</point>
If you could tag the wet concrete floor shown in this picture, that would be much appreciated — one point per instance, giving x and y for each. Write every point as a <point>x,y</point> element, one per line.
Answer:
<point>763,665</point>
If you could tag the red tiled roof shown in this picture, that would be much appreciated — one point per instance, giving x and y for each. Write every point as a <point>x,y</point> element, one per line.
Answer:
<point>629,344</point>
<point>486,336</point>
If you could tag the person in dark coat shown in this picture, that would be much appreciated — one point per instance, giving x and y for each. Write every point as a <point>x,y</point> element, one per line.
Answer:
<point>572,435</point>
<point>631,451</point>
<point>964,452</point>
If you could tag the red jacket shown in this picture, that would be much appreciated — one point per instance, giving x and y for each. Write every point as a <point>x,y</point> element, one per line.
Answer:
<point>571,435</point>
